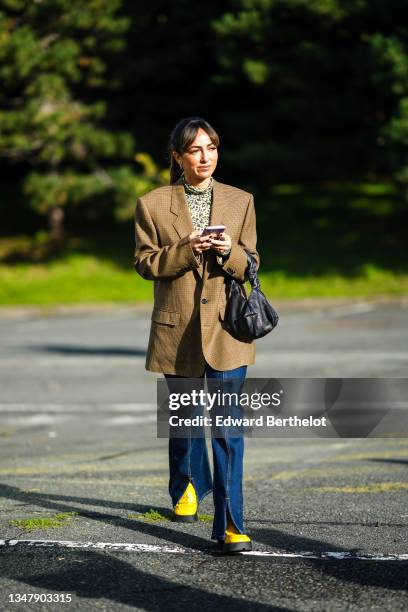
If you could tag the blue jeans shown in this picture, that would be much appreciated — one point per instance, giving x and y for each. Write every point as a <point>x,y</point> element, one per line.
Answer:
<point>188,458</point>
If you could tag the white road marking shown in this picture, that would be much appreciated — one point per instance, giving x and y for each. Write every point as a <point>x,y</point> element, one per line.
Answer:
<point>130,420</point>
<point>36,361</point>
<point>299,358</point>
<point>80,408</point>
<point>153,548</point>
<point>31,414</point>
<point>33,419</point>
<point>350,309</point>
<point>123,546</point>
<point>330,555</point>
<point>44,419</point>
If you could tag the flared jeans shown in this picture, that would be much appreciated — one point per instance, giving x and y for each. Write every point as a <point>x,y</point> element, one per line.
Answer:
<point>188,457</point>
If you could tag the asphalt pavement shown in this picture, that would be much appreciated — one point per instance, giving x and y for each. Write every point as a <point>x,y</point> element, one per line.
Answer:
<point>328,517</point>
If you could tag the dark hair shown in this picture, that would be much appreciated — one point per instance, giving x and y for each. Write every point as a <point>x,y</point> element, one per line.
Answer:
<point>181,138</point>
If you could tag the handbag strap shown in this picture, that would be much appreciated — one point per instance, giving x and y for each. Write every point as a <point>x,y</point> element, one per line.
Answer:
<point>251,271</point>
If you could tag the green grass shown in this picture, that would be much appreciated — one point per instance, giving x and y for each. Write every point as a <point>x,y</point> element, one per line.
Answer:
<point>326,240</point>
<point>34,524</point>
<point>82,279</point>
<point>154,516</point>
<point>377,283</point>
<point>5,433</point>
<point>76,279</point>
<point>205,518</point>
<point>151,515</point>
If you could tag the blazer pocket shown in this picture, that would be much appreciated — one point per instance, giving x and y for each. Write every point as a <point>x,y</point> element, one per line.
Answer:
<point>165,316</point>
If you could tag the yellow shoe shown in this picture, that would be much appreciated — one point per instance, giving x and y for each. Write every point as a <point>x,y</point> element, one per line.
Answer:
<point>234,541</point>
<point>185,511</point>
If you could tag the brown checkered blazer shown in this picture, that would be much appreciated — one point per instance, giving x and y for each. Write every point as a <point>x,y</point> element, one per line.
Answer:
<point>189,296</point>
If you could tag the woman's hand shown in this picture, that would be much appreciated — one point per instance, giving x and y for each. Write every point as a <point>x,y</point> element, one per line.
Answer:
<point>199,243</point>
<point>222,245</point>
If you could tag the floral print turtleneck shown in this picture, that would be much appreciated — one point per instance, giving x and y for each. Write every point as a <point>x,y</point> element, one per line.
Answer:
<point>199,203</point>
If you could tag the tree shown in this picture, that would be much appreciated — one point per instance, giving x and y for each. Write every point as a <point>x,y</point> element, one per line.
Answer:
<point>54,119</point>
<point>391,52</point>
<point>323,86</point>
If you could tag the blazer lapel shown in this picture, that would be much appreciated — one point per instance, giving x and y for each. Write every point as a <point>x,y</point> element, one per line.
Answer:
<point>182,219</point>
<point>218,205</point>
<point>183,224</point>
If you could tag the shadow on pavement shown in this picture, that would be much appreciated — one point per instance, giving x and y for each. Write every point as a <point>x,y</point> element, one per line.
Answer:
<point>94,575</point>
<point>384,574</point>
<point>70,349</point>
<point>164,533</point>
<point>384,460</point>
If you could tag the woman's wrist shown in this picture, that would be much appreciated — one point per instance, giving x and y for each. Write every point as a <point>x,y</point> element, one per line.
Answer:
<point>222,257</point>
<point>226,253</point>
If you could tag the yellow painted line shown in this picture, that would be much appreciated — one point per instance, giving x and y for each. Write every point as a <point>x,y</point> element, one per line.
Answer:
<point>74,469</point>
<point>399,434</point>
<point>374,442</point>
<point>322,472</point>
<point>99,456</point>
<point>137,481</point>
<point>378,487</point>
<point>139,472</point>
<point>370,455</point>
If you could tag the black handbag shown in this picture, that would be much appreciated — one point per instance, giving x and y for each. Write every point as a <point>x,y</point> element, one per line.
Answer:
<point>248,318</point>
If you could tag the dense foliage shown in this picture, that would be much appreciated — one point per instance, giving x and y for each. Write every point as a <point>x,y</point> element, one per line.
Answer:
<point>300,90</point>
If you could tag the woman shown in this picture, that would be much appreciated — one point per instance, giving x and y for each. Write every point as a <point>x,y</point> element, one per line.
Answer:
<point>187,337</point>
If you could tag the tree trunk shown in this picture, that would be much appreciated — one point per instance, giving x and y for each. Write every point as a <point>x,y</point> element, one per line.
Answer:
<point>56,225</point>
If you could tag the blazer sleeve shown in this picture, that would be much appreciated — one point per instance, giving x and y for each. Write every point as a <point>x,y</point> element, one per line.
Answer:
<point>236,263</point>
<point>153,262</point>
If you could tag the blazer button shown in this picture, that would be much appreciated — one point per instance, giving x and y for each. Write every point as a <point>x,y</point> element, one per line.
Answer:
<point>204,301</point>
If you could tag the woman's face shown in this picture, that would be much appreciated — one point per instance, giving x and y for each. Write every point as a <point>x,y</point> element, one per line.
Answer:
<point>200,159</point>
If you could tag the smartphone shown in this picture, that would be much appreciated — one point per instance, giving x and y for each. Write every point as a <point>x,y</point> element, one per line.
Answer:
<point>213,229</point>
